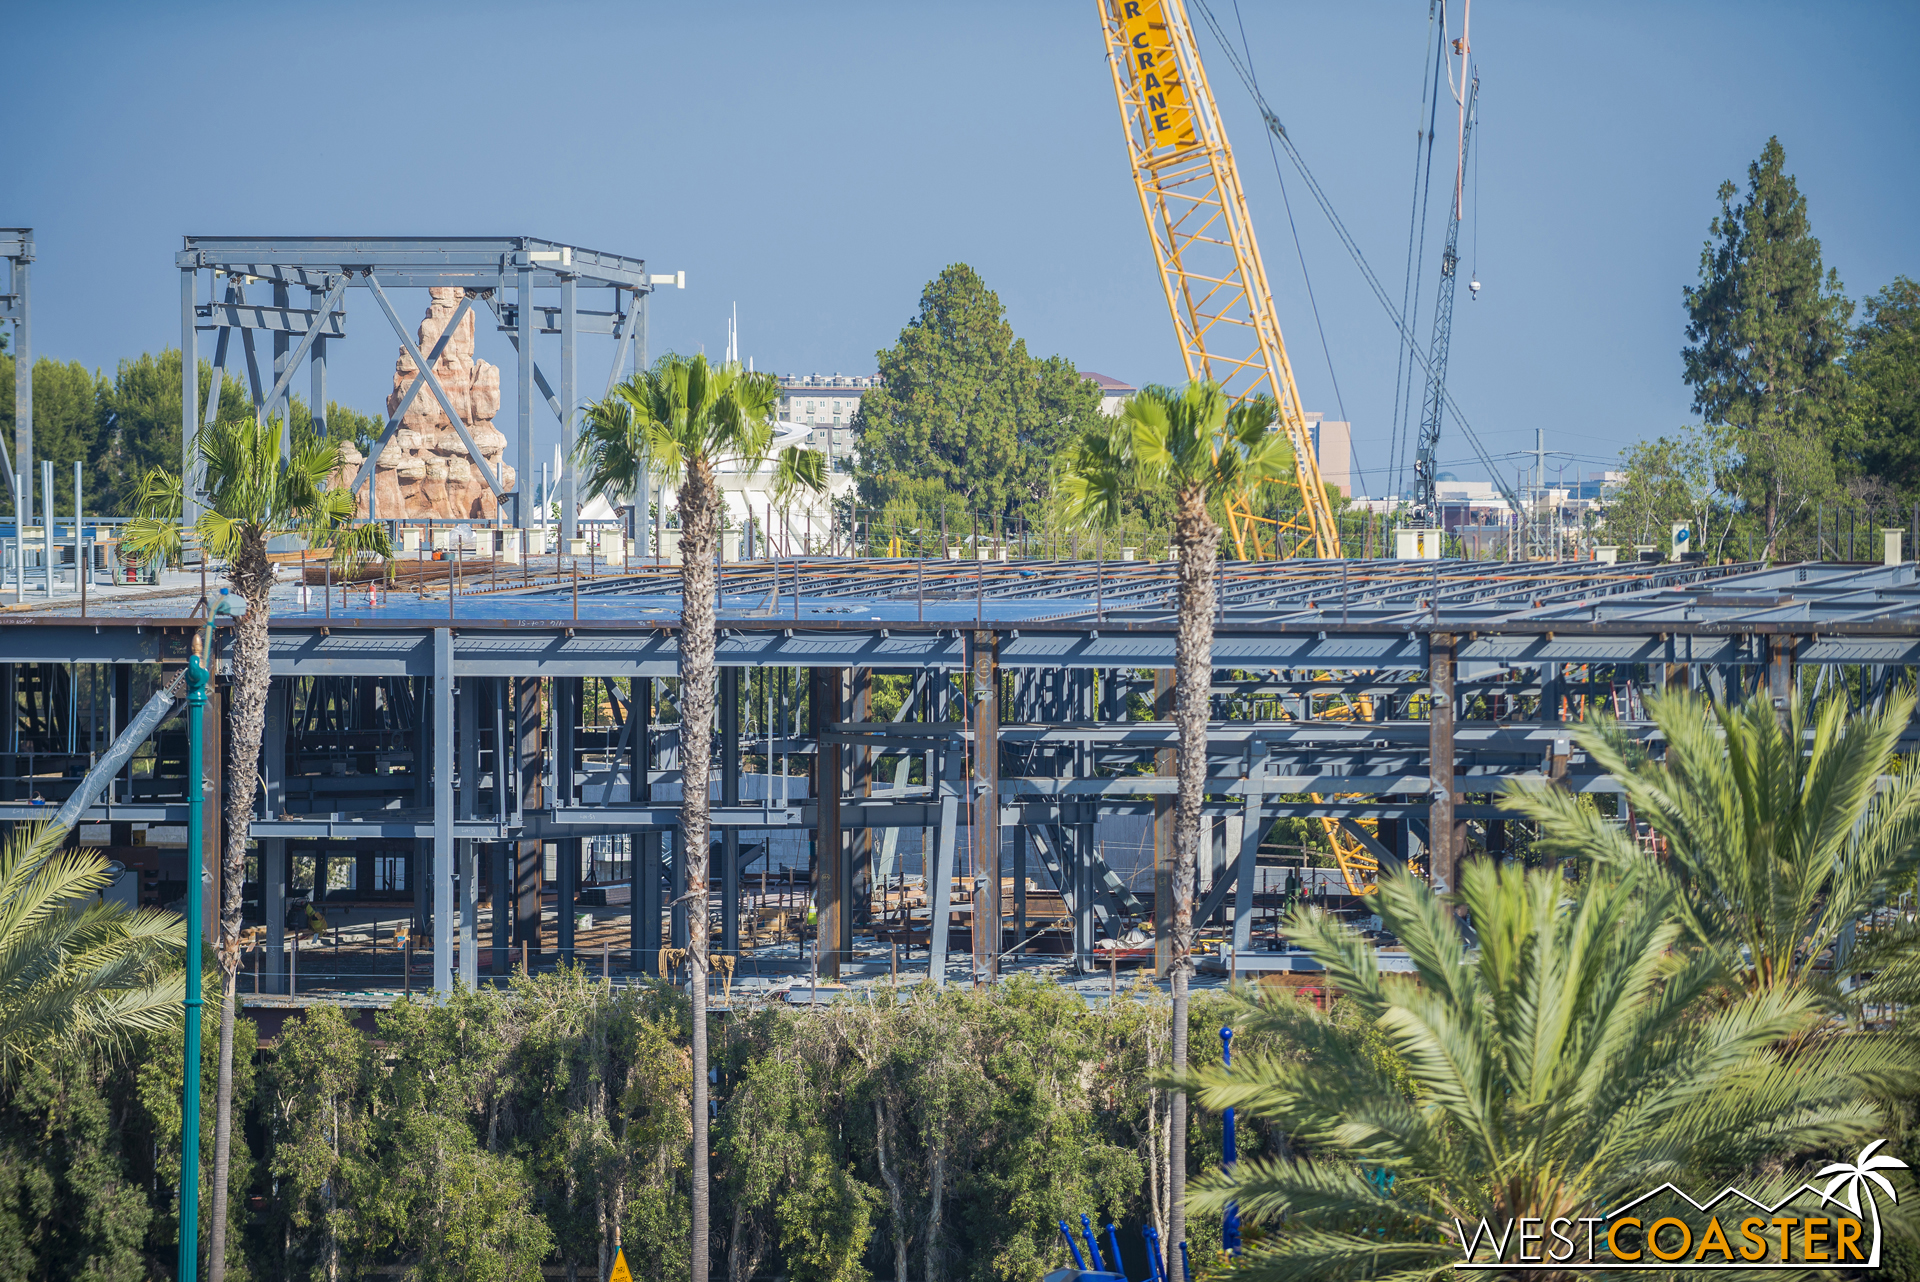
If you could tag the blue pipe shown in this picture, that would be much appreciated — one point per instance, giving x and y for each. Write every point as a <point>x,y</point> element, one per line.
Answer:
<point>1186,1265</point>
<point>1113,1238</point>
<point>1229,1154</point>
<point>1067,1233</point>
<point>1152,1236</point>
<point>1093,1245</point>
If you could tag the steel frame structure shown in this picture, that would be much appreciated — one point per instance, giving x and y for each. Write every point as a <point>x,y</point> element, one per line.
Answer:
<point>1468,674</point>
<point>16,305</point>
<point>508,274</point>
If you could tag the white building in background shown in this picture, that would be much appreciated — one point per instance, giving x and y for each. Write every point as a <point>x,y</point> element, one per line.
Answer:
<point>824,404</point>
<point>1113,393</point>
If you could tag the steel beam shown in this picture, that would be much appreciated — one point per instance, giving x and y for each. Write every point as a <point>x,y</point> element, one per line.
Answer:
<point>444,927</point>
<point>832,893</point>
<point>1443,853</point>
<point>983,699</point>
<point>322,323</point>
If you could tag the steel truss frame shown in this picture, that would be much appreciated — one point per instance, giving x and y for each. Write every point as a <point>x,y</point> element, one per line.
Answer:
<point>1470,674</point>
<point>485,268</point>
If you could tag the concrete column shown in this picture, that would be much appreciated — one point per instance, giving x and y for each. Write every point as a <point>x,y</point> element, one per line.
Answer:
<point>983,701</point>
<point>1443,855</point>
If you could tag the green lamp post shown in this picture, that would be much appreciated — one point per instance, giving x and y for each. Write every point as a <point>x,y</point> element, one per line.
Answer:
<point>197,678</point>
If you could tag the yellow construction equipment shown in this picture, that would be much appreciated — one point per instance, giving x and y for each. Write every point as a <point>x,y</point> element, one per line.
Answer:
<point>1209,260</point>
<point>1216,285</point>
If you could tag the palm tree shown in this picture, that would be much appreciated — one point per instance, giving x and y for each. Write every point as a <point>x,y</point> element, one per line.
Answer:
<point>250,497</point>
<point>681,419</point>
<point>1583,1054</point>
<point>73,968</point>
<point>1777,831</point>
<point>797,471</point>
<point>1194,444</point>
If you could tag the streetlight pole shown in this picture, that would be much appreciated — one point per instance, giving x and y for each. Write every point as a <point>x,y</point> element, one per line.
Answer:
<point>190,1090</point>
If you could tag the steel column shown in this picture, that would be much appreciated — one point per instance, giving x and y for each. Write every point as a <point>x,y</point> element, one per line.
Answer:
<point>1443,851</point>
<point>570,408</point>
<point>443,916</point>
<point>567,698</point>
<point>317,370</point>
<point>467,715</point>
<point>529,856</point>
<point>940,877</point>
<point>831,869</point>
<point>1165,763</point>
<point>983,700</point>
<point>23,376</point>
<point>523,451</point>
<point>189,402</point>
<point>730,796</point>
<point>273,850</point>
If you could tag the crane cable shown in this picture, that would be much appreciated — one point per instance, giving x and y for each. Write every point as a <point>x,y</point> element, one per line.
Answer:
<point>1299,253</point>
<point>1279,131</point>
<point>1416,273</point>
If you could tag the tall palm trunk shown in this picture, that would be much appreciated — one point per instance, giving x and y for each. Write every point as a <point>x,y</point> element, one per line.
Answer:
<point>699,521</point>
<point>252,576</point>
<point>1197,539</point>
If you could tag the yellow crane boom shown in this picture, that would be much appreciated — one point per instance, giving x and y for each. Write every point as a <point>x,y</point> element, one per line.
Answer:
<point>1203,242</point>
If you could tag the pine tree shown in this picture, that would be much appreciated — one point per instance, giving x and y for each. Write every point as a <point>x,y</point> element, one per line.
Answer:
<point>962,405</point>
<point>1885,363</point>
<point>1766,333</point>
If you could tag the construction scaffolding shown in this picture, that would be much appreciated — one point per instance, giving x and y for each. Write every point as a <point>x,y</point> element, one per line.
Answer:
<point>509,276</point>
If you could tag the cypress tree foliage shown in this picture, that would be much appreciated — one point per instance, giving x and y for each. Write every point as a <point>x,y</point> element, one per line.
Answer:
<point>962,405</point>
<point>1766,331</point>
<point>1884,360</point>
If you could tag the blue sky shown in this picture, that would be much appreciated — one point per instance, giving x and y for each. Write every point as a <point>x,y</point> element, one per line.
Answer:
<point>817,163</point>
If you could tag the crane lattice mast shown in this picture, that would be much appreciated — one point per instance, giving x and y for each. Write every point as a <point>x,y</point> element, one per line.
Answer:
<point>1426,507</point>
<point>1203,242</point>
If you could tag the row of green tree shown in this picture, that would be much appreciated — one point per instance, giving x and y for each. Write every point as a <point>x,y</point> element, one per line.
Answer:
<point>1708,1009</point>
<point>1809,404</point>
<point>121,426</point>
<point>968,436</point>
<point>922,1133</point>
